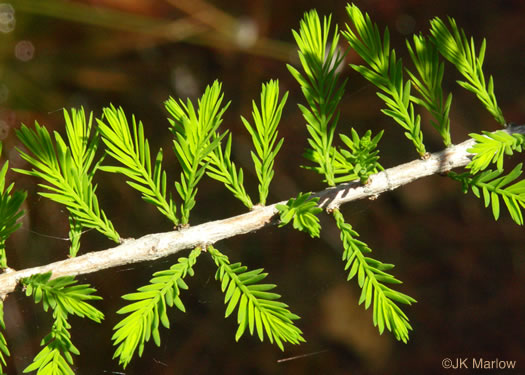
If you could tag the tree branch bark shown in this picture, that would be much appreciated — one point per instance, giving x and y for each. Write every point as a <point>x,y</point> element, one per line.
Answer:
<point>158,245</point>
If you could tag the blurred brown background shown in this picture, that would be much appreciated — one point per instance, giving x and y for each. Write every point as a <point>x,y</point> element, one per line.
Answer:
<point>466,271</point>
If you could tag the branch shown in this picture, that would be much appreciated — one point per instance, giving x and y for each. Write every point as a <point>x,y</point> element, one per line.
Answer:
<point>392,178</point>
<point>158,245</point>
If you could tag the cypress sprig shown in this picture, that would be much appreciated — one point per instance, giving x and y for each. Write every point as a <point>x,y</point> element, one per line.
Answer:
<point>64,298</point>
<point>493,186</point>
<point>67,169</point>
<point>195,138</point>
<point>148,309</point>
<point>372,279</point>
<point>257,307</point>
<point>75,233</point>
<point>430,70</point>
<point>457,49</point>
<point>320,59</point>
<point>362,154</point>
<point>264,135</point>
<point>385,71</point>
<point>4,350</point>
<point>220,167</point>
<point>303,211</point>
<point>492,148</point>
<point>10,211</point>
<point>133,152</point>
<point>67,166</point>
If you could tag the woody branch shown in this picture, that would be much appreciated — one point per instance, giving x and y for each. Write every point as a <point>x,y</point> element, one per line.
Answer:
<point>158,245</point>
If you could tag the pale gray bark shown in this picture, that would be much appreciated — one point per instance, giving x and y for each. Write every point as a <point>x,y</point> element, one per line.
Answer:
<point>158,245</point>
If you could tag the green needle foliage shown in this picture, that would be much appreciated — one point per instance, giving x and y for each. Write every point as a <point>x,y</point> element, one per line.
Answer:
<point>75,232</point>
<point>372,277</point>
<point>493,186</point>
<point>4,350</point>
<point>222,169</point>
<point>320,59</point>
<point>492,148</point>
<point>258,308</point>
<point>303,210</point>
<point>426,60</point>
<point>195,139</point>
<point>362,154</point>
<point>68,169</point>
<point>56,356</point>
<point>133,152</point>
<point>10,212</point>
<point>385,71</point>
<point>82,154</point>
<point>63,293</point>
<point>264,135</point>
<point>64,298</point>
<point>456,48</point>
<point>148,309</point>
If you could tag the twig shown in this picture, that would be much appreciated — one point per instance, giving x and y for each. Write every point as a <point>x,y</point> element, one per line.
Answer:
<point>158,245</point>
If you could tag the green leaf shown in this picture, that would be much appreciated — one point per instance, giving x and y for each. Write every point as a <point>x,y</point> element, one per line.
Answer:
<point>65,298</point>
<point>132,150</point>
<point>195,139</point>
<point>362,154</point>
<point>254,306</point>
<point>4,350</point>
<point>320,61</point>
<point>303,210</point>
<point>75,232</point>
<point>384,71</point>
<point>10,211</point>
<point>495,186</point>
<point>68,169</point>
<point>149,310</point>
<point>55,357</point>
<point>63,292</point>
<point>492,148</point>
<point>457,49</point>
<point>430,70</point>
<point>221,168</point>
<point>371,278</point>
<point>264,134</point>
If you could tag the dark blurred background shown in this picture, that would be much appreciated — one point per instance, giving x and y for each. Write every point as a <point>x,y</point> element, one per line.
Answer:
<point>466,271</point>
